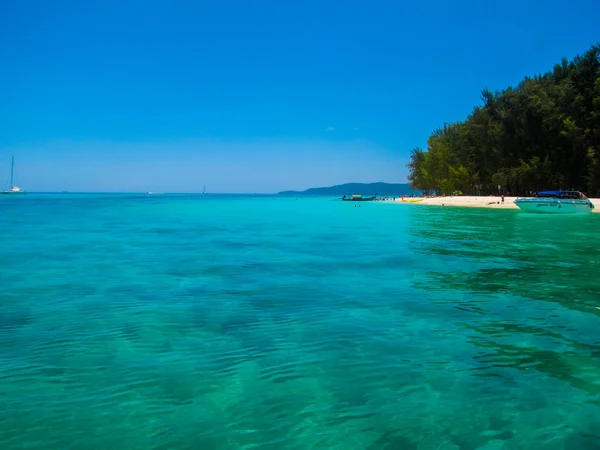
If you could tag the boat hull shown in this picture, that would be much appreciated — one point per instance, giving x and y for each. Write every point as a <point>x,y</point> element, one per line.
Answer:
<point>12,192</point>
<point>364,199</point>
<point>554,206</point>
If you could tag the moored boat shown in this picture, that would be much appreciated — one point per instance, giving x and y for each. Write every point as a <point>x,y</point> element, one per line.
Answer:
<point>12,188</point>
<point>411,200</point>
<point>358,198</point>
<point>556,202</point>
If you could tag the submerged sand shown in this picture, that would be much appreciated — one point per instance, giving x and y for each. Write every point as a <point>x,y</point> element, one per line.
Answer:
<point>472,201</point>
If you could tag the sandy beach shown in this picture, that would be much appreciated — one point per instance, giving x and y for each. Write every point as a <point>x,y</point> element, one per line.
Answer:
<point>472,201</point>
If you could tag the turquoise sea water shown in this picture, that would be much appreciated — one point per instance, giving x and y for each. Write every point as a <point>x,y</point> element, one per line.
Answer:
<point>223,322</point>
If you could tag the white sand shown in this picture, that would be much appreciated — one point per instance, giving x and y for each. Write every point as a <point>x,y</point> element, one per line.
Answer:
<point>472,201</point>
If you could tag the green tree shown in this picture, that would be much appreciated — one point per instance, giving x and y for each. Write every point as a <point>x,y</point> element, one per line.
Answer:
<point>544,133</point>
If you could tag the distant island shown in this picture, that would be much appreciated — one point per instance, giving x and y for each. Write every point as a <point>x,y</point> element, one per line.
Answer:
<point>381,189</point>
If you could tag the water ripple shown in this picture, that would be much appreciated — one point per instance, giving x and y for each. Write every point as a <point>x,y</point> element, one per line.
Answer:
<point>238,323</point>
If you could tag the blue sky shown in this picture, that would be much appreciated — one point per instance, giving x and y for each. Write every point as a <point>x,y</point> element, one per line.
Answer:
<point>255,96</point>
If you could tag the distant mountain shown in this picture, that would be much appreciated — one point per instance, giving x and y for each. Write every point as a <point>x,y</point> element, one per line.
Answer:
<point>381,189</point>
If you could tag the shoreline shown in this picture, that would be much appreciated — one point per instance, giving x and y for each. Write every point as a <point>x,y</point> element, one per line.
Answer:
<point>493,202</point>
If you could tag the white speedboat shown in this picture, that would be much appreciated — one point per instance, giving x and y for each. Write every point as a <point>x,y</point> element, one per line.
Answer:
<point>12,189</point>
<point>556,202</point>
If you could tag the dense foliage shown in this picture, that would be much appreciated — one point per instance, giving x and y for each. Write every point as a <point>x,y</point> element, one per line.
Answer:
<point>543,134</point>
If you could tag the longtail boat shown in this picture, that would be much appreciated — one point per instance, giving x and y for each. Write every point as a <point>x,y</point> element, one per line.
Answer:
<point>358,198</point>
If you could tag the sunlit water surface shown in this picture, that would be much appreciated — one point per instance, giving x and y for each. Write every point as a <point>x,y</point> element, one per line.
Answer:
<point>223,322</point>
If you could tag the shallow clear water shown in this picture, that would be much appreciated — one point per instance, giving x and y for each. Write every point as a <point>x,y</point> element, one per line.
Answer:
<point>208,322</point>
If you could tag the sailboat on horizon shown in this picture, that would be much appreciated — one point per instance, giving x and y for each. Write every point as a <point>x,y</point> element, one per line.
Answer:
<point>12,188</point>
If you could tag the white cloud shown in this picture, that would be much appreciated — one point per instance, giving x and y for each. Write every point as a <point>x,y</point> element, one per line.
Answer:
<point>330,128</point>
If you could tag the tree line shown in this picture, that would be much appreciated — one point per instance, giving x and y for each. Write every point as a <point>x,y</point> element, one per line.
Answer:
<point>542,134</point>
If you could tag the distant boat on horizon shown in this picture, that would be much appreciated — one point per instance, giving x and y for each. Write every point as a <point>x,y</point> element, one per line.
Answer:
<point>358,198</point>
<point>12,188</point>
<point>204,190</point>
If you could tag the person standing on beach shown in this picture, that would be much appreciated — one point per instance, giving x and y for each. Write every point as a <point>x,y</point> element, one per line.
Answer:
<point>502,196</point>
